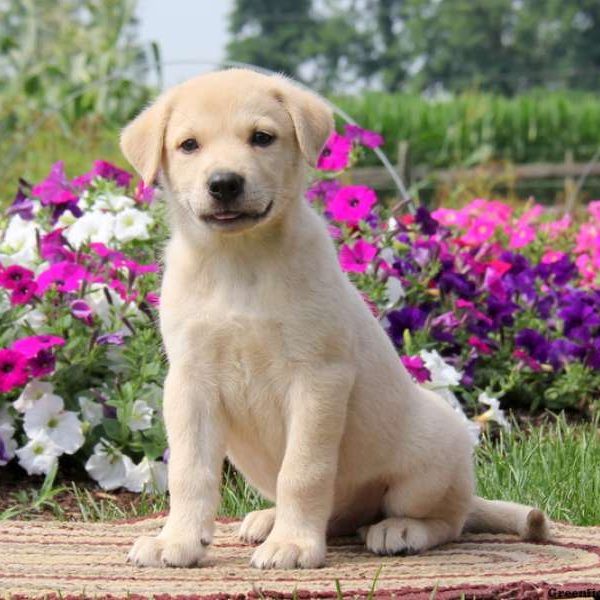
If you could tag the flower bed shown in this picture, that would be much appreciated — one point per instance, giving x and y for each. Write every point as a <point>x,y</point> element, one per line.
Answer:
<point>486,305</point>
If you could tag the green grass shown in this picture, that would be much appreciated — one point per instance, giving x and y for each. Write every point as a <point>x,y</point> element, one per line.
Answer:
<point>554,466</point>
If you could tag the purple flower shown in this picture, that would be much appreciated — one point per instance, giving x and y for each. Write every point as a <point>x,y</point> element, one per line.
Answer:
<point>534,342</point>
<point>561,352</point>
<point>55,189</point>
<point>593,355</point>
<point>579,318</point>
<point>115,339</point>
<point>409,317</point>
<point>105,170</point>
<point>426,222</point>
<point>370,139</point>
<point>324,190</point>
<point>81,310</point>
<point>52,247</point>
<point>501,311</point>
<point>21,205</point>
<point>457,283</point>
<point>559,272</point>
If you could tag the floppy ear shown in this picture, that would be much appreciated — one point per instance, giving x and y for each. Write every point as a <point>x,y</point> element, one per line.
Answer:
<point>142,140</point>
<point>312,118</point>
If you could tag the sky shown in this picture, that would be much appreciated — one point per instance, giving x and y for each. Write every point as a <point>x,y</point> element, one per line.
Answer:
<point>186,30</point>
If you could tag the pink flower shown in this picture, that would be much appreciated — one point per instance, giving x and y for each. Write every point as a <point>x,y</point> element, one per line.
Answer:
<point>479,232</point>
<point>588,239</point>
<point>55,189</point>
<point>555,228</point>
<point>523,236</point>
<point>12,277</point>
<point>105,170</point>
<point>370,139</point>
<point>136,268</point>
<point>552,256</point>
<point>144,194</point>
<point>334,232</point>
<point>43,363</point>
<point>352,203</point>
<point>67,276</point>
<point>450,217</point>
<point>82,310</point>
<point>479,344</point>
<point>13,370</point>
<point>416,367</point>
<point>498,211</point>
<point>30,346</point>
<point>152,299</point>
<point>53,247</point>
<point>594,209</point>
<point>24,292</point>
<point>355,259</point>
<point>531,215</point>
<point>336,153</point>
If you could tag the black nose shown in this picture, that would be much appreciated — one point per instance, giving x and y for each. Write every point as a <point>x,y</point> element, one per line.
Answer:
<point>225,185</point>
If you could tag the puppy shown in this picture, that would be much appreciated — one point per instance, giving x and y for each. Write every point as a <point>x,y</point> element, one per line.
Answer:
<point>275,360</point>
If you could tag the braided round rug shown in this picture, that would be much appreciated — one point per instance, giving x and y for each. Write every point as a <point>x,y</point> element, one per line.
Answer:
<point>64,560</point>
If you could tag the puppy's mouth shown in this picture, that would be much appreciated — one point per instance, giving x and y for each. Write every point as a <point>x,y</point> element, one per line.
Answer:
<point>234,219</point>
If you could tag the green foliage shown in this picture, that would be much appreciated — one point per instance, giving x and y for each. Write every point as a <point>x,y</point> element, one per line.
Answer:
<point>537,126</point>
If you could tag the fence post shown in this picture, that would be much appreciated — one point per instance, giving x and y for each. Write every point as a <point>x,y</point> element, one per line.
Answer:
<point>570,186</point>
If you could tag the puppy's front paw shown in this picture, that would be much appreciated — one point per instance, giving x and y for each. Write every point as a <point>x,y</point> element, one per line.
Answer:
<point>395,536</point>
<point>166,552</point>
<point>296,554</point>
<point>257,525</point>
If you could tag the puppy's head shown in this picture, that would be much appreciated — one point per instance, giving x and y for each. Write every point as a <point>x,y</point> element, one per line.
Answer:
<point>229,146</point>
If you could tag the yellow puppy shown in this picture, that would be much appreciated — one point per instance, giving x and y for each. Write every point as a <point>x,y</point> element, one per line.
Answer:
<point>275,360</point>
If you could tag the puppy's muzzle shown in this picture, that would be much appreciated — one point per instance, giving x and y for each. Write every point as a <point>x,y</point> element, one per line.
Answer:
<point>225,186</point>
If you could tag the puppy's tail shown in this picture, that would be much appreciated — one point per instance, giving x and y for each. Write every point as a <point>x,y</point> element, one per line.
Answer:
<point>497,516</point>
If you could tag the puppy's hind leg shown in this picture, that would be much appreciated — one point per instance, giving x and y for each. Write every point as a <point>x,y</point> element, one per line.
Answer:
<point>418,517</point>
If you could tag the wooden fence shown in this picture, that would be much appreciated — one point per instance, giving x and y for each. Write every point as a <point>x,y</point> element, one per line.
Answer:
<point>573,173</point>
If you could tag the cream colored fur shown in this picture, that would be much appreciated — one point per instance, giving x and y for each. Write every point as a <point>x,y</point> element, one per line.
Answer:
<point>275,360</point>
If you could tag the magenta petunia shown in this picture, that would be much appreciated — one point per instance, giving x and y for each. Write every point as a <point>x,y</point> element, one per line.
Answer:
<point>30,346</point>
<point>13,370</point>
<point>105,170</point>
<point>355,259</point>
<point>450,217</point>
<point>136,268</point>
<point>416,367</point>
<point>80,309</point>
<point>67,277</point>
<point>152,299</point>
<point>42,364</point>
<point>144,194</point>
<point>352,203</point>
<point>24,292</point>
<point>12,277</point>
<point>370,139</point>
<point>336,153</point>
<point>53,247</point>
<point>55,189</point>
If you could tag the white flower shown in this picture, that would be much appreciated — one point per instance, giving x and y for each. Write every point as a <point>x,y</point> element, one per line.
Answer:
<point>66,219</point>
<point>7,444</point>
<point>107,466</point>
<point>113,202</point>
<point>93,226</point>
<point>494,412</point>
<point>153,394</point>
<point>442,374</point>
<point>141,416</point>
<point>48,416</point>
<point>98,302</point>
<point>19,245</point>
<point>91,411</point>
<point>31,393</point>
<point>39,455</point>
<point>394,290</point>
<point>148,476</point>
<point>132,224</point>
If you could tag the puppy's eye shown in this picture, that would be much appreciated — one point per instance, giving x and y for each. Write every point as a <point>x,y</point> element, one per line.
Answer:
<point>262,139</point>
<point>189,145</point>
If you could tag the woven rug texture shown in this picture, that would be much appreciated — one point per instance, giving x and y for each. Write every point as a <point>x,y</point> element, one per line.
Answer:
<point>71,559</point>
